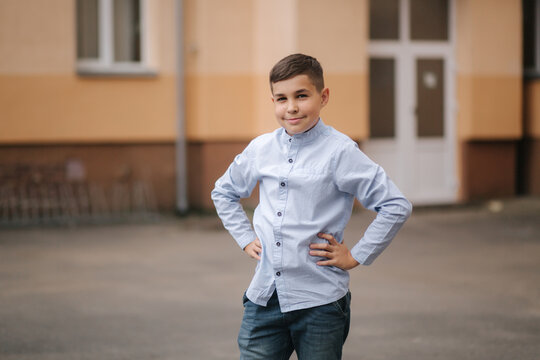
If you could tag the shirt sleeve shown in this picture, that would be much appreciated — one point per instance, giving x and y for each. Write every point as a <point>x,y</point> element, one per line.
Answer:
<point>356,174</point>
<point>237,182</point>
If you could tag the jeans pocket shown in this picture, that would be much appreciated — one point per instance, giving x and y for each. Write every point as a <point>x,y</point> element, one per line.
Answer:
<point>343,304</point>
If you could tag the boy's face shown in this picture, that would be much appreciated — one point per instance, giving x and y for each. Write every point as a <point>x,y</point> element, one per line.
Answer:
<point>297,103</point>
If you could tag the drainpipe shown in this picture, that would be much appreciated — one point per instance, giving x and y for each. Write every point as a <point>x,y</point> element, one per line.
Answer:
<point>180,151</point>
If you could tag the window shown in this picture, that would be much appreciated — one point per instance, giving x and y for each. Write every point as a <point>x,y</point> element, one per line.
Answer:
<point>384,20</point>
<point>531,37</point>
<point>382,84</point>
<point>428,20</point>
<point>110,37</point>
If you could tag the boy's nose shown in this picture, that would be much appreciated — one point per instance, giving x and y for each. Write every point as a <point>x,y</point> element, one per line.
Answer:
<point>292,108</point>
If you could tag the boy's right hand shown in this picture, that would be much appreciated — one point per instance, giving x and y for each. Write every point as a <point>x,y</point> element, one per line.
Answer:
<point>254,249</point>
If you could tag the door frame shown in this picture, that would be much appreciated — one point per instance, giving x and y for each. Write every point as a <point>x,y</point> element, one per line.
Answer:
<point>405,144</point>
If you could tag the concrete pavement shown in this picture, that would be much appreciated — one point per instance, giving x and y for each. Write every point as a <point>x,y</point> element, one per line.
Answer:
<point>457,283</point>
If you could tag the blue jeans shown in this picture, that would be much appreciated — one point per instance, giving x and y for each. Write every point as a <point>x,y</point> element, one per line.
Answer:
<point>316,333</point>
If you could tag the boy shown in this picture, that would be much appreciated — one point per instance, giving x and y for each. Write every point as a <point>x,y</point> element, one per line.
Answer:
<point>308,176</point>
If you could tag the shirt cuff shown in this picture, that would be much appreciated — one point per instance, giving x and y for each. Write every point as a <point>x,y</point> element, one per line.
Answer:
<point>246,239</point>
<point>363,255</point>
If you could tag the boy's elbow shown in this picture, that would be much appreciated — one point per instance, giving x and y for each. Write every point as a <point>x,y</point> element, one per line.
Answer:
<point>213,196</point>
<point>407,208</point>
<point>219,194</point>
<point>216,195</point>
<point>400,207</point>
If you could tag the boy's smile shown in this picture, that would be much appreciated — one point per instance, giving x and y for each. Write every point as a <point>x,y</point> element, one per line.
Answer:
<point>297,103</point>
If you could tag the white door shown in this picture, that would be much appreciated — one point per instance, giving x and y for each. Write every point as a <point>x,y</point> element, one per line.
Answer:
<point>411,97</point>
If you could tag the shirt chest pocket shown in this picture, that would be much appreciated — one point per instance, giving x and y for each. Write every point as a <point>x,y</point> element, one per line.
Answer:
<point>312,182</point>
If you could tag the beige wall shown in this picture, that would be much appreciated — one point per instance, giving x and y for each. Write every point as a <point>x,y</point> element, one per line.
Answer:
<point>42,99</point>
<point>65,108</point>
<point>227,62</point>
<point>218,58</point>
<point>37,37</point>
<point>337,33</point>
<point>488,54</point>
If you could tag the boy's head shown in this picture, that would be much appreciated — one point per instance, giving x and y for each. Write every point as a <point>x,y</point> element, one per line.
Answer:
<point>298,92</point>
<point>297,64</point>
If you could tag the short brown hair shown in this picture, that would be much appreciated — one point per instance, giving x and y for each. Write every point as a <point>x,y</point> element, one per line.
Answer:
<point>298,64</point>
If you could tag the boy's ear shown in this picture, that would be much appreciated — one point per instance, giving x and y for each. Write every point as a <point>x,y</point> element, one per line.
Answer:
<point>325,96</point>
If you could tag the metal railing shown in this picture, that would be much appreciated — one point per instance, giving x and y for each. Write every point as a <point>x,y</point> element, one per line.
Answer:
<point>43,195</point>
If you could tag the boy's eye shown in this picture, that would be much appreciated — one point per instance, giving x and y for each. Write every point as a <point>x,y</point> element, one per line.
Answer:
<point>302,95</point>
<point>281,98</point>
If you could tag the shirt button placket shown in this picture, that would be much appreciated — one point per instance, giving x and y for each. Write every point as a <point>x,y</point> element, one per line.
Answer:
<point>279,248</point>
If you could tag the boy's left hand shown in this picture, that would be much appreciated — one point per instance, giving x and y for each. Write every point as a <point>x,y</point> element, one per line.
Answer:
<point>338,254</point>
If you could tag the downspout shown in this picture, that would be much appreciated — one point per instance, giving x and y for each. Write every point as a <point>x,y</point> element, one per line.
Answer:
<point>180,146</point>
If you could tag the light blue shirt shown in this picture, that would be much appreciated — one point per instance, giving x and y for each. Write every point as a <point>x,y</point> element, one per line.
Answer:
<point>307,184</point>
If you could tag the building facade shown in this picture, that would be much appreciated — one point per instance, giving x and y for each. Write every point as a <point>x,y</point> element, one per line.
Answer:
<point>167,92</point>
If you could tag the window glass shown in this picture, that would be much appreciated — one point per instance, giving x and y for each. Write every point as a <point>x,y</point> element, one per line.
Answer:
<point>430,97</point>
<point>429,19</point>
<point>382,97</point>
<point>87,29</point>
<point>384,20</point>
<point>127,37</point>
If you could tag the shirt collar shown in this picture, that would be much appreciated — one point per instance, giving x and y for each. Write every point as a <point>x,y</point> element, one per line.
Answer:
<point>307,136</point>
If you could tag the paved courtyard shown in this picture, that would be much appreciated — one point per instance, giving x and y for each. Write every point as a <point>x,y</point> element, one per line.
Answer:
<point>457,283</point>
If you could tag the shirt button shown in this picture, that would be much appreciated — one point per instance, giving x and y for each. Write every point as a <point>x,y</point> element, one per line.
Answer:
<point>279,213</point>
<point>282,184</point>
<point>290,160</point>
<point>290,140</point>
<point>278,274</point>
<point>278,244</point>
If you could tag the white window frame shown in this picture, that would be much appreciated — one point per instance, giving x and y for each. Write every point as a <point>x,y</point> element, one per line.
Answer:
<point>105,63</point>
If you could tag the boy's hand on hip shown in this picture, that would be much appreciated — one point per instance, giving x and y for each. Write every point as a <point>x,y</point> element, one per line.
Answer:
<point>254,249</point>
<point>338,254</point>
